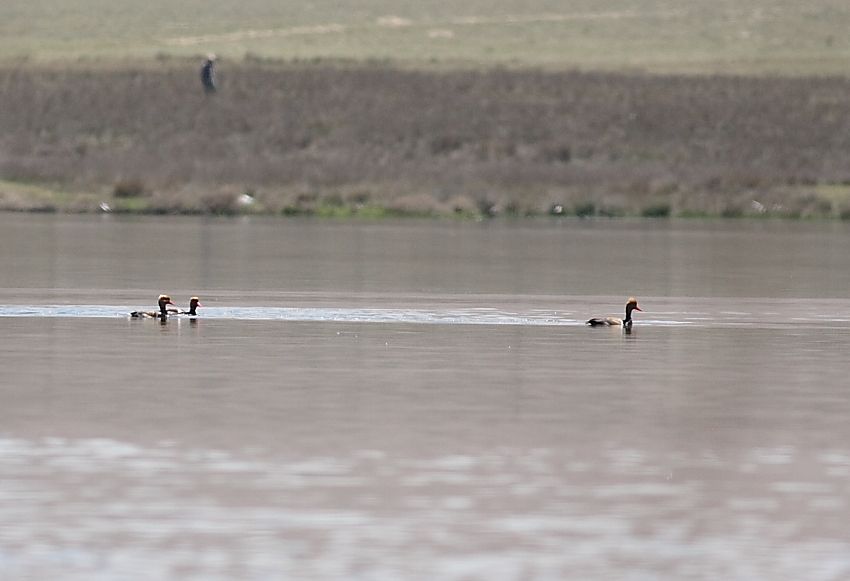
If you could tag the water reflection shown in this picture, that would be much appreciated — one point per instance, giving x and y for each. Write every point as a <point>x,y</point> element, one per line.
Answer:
<point>678,258</point>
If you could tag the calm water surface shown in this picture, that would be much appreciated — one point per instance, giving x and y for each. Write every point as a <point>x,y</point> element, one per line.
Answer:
<point>420,400</point>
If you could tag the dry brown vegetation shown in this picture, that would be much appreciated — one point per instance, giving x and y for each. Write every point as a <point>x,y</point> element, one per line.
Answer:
<point>337,138</point>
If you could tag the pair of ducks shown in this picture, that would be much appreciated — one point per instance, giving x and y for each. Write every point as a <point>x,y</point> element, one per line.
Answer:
<point>163,301</point>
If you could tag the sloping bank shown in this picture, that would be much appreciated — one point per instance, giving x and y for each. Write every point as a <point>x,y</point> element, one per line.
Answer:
<point>345,139</point>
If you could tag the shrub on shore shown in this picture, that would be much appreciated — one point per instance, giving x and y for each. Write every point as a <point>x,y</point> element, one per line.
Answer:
<point>129,188</point>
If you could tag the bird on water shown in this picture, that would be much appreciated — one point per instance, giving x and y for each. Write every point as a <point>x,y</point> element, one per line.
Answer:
<point>631,305</point>
<point>194,303</point>
<point>162,301</point>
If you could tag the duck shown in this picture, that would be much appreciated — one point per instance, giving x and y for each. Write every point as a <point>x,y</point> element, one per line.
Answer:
<point>194,303</point>
<point>162,301</point>
<point>631,305</point>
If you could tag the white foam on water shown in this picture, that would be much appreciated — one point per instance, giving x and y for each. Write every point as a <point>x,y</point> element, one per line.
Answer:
<point>469,316</point>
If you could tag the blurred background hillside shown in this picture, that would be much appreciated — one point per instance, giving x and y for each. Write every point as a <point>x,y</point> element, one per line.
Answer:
<point>652,107</point>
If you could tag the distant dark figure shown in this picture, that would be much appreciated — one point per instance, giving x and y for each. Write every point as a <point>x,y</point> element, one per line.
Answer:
<point>208,75</point>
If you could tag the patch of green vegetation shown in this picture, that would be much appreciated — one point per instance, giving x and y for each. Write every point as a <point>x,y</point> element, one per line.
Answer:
<point>18,196</point>
<point>838,194</point>
<point>694,214</point>
<point>657,210</point>
<point>131,205</point>
<point>334,211</point>
<point>585,209</point>
<point>732,211</point>
<point>34,198</point>
<point>839,197</point>
<point>460,214</point>
<point>358,211</point>
<point>372,212</point>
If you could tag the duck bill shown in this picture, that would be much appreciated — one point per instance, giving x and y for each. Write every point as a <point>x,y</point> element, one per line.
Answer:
<point>638,308</point>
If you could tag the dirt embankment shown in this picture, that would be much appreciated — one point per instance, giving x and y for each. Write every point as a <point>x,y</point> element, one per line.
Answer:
<point>345,139</point>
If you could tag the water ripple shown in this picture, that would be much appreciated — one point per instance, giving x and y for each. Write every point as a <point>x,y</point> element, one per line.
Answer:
<point>482,316</point>
<point>437,316</point>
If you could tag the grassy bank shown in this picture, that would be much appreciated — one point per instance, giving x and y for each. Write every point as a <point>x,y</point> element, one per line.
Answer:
<point>343,139</point>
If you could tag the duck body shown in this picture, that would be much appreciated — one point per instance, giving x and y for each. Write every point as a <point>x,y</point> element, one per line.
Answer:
<point>162,314</point>
<point>148,315</point>
<point>631,305</point>
<point>606,322</point>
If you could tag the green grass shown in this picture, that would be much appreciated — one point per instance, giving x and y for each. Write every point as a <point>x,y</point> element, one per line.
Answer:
<point>821,202</point>
<point>694,36</point>
<point>18,196</point>
<point>838,194</point>
<point>832,202</point>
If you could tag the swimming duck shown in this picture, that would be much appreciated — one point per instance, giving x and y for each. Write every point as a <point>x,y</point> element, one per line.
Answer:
<point>631,305</point>
<point>194,303</point>
<point>162,301</point>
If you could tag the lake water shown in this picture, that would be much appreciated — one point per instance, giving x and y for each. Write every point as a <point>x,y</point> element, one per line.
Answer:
<point>421,400</point>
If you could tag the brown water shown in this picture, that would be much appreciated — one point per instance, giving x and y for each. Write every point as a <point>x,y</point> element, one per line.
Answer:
<point>421,400</point>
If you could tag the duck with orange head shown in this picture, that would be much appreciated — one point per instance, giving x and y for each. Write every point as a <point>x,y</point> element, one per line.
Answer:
<point>631,305</point>
<point>194,303</point>
<point>163,301</point>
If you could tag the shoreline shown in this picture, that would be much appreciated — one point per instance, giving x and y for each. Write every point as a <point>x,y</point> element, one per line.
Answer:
<point>373,140</point>
<point>246,205</point>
